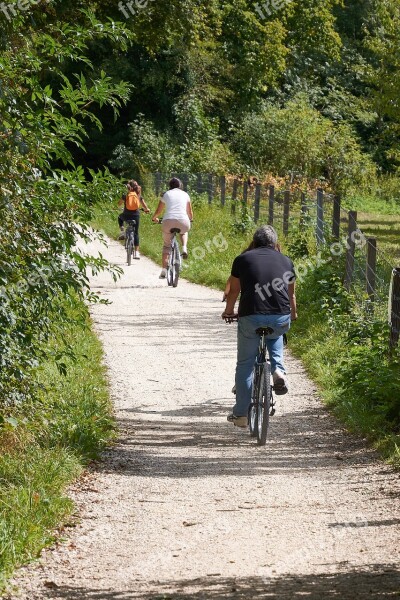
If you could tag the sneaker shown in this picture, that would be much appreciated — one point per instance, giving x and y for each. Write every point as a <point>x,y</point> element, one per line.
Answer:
<point>122,235</point>
<point>137,255</point>
<point>237,421</point>
<point>184,253</point>
<point>234,389</point>
<point>280,383</point>
<point>163,274</point>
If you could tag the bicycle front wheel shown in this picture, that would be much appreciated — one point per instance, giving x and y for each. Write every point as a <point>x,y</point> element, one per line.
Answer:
<point>264,403</point>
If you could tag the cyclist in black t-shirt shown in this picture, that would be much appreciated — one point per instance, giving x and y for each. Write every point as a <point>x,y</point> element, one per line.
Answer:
<point>265,278</point>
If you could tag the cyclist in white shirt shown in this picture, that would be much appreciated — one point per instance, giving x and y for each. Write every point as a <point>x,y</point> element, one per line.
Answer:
<point>178,215</point>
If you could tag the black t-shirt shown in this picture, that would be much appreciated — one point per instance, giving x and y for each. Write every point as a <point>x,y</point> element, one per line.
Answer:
<point>264,275</point>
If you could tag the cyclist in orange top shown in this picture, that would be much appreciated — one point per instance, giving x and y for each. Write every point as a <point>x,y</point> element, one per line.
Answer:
<point>132,202</point>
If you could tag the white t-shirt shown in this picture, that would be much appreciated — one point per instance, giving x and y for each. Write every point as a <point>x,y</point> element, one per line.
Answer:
<point>176,201</point>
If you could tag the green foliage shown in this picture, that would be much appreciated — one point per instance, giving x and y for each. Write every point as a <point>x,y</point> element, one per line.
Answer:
<point>244,223</point>
<point>382,73</point>
<point>298,246</point>
<point>346,166</point>
<point>297,137</point>
<point>191,146</point>
<point>31,502</point>
<point>347,354</point>
<point>43,206</point>
<point>148,151</point>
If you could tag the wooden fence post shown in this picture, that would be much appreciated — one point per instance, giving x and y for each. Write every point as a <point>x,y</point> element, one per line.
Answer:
<point>158,183</point>
<point>257,200</point>
<point>222,183</point>
<point>395,310</point>
<point>304,209</point>
<point>351,246</point>
<point>320,217</point>
<point>210,188</point>
<point>286,209</point>
<point>199,184</point>
<point>271,203</point>
<point>234,195</point>
<point>336,218</point>
<point>185,181</point>
<point>371,269</point>
<point>245,190</point>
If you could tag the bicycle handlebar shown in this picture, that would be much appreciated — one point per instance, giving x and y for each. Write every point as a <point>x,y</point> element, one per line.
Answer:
<point>231,319</point>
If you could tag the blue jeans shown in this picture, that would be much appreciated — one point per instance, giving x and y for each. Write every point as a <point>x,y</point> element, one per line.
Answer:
<point>247,349</point>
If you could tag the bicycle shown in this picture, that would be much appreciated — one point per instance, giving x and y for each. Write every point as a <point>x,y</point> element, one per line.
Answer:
<point>130,240</point>
<point>174,261</point>
<point>262,405</point>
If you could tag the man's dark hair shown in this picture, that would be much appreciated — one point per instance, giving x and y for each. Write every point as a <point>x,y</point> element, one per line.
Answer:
<point>175,183</point>
<point>265,236</point>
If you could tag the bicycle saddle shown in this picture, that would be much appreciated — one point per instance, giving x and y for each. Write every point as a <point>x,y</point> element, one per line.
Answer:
<point>131,222</point>
<point>264,331</point>
<point>175,230</point>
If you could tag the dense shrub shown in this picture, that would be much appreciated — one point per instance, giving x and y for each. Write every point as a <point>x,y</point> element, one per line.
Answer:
<point>296,137</point>
<point>43,210</point>
<point>192,145</point>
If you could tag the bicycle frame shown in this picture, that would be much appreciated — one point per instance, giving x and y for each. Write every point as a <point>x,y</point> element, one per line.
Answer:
<point>262,350</point>
<point>262,359</point>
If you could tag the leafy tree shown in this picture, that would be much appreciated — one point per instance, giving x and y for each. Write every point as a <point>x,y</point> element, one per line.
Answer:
<point>43,209</point>
<point>383,74</point>
<point>297,137</point>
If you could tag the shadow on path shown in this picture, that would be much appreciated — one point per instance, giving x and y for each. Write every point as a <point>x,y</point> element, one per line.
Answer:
<point>298,442</point>
<point>372,583</point>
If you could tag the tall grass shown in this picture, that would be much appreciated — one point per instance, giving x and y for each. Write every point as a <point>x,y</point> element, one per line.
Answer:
<point>45,445</point>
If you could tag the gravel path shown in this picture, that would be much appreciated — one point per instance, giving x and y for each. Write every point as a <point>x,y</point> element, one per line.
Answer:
<point>185,506</point>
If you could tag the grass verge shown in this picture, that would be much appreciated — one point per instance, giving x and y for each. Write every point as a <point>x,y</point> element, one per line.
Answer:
<point>45,445</point>
<point>347,357</point>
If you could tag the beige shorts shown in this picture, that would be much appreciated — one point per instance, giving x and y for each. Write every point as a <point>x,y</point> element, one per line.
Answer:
<point>169,224</point>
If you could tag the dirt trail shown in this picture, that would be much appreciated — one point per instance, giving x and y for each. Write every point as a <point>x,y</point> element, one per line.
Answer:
<point>187,507</point>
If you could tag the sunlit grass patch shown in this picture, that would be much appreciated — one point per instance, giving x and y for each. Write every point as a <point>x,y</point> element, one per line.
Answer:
<point>46,444</point>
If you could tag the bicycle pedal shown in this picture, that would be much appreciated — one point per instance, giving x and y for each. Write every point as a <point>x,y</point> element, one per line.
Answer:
<point>273,411</point>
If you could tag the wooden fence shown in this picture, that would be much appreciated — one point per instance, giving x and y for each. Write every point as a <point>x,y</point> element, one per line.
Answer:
<point>367,271</point>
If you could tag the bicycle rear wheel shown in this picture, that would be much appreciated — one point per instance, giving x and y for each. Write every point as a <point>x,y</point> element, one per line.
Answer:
<point>253,409</point>
<point>264,403</point>
<point>170,267</point>
<point>129,250</point>
<point>177,265</point>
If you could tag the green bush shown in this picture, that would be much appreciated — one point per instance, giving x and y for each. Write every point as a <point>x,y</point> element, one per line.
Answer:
<point>296,137</point>
<point>192,145</point>
<point>148,151</point>
<point>347,355</point>
<point>44,210</point>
